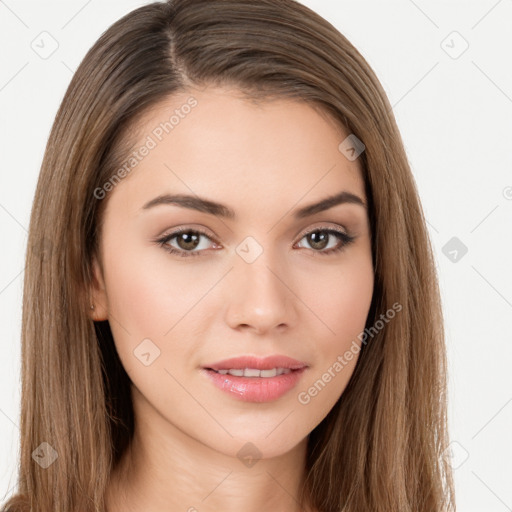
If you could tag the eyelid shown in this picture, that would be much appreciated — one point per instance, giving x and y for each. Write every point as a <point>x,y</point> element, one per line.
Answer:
<point>340,229</point>
<point>172,232</point>
<point>163,240</point>
<point>203,231</point>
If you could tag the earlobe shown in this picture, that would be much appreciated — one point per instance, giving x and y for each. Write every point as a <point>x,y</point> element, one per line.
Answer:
<point>98,307</point>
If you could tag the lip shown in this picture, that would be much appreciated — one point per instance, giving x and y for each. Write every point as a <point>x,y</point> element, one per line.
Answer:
<point>256,389</point>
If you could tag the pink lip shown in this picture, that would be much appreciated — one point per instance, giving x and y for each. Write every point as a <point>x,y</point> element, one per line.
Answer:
<point>256,389</point>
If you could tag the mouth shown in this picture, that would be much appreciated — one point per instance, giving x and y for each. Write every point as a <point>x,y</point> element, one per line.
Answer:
<point>256,380</point>
<point>254,372</point>
<point>251,364</point>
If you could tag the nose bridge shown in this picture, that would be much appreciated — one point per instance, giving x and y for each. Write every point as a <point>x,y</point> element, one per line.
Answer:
<point>259,297</point>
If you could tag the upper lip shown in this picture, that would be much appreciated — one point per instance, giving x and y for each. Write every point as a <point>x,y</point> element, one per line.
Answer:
<point>265,363</point>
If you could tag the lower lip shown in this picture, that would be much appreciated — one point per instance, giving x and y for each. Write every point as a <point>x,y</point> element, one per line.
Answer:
<point>255,389</point>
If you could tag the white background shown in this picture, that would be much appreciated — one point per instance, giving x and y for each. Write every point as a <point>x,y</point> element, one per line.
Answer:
<point>455,116</point>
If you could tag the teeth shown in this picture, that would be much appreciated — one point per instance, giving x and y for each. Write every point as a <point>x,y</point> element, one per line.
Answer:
<point>252,372</point>
<point>249,372</point>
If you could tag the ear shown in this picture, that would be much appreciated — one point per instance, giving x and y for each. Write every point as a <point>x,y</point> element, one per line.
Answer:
<point>98,295</point>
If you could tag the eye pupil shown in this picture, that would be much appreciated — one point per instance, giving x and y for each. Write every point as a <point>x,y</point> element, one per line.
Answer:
<point>191,240</point>
<point>318,239</point>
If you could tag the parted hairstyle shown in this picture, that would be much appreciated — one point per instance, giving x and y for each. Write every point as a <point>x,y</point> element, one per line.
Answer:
<point>382,446</point>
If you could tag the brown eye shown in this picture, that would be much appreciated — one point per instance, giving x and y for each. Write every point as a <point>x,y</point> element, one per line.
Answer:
<point>320,238</point>
<point>187,241</point>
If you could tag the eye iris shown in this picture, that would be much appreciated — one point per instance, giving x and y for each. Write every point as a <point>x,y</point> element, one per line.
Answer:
<point>318,239</point>
<point>190,239</point>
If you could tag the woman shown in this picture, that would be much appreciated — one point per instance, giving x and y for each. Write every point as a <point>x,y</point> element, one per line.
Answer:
<point>230,297</point>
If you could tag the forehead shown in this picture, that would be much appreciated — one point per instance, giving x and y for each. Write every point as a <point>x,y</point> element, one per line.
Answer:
<point>214,142</point>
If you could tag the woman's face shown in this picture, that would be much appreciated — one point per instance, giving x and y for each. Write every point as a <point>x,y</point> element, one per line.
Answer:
<point>267,279</point>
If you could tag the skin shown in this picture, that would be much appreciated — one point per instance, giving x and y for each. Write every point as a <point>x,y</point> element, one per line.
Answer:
<point>264,161</point>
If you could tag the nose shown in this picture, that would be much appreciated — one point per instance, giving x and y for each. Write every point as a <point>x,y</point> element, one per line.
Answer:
<point>260,296</point>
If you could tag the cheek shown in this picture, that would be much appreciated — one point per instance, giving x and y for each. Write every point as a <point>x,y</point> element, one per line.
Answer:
<point>147,293</point>
<point>151,298</point>
<point>340,298</point>
<point>136,298</point>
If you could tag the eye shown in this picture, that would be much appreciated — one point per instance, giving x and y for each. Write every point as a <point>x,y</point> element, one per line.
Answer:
<point>320,238</point>
<point>186,239</point>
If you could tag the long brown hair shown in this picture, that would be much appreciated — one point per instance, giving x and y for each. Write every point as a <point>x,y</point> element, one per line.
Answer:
<point>381,447</point>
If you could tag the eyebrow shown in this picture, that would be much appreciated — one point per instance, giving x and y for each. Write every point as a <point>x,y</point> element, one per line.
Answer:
<point>221,210</point>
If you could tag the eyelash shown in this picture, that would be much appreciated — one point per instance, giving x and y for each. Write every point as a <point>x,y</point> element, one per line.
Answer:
<point>163,242</point>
